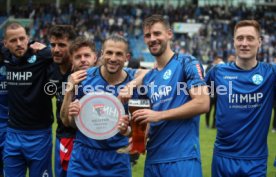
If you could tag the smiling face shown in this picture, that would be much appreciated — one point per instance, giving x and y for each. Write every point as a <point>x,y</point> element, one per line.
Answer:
<point>83,58</point>
<point>157,37</point>
<point>114,56</point>
<point>16,40</point>
<point>247,41</point>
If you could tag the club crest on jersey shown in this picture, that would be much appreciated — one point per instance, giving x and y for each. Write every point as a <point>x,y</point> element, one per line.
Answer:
<point>32,59</point>
<point>3,71</point>
<point>257,79</point>
<point>167,74</point>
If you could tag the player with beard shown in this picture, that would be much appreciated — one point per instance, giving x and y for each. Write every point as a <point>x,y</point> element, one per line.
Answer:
<point>178,95</point>
<point>60,37</point>
<point>93,158</point>
<point>3,108</point>
<point>29,135</point>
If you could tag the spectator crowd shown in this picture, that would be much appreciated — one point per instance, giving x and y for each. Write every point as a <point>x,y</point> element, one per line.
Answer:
<point>214,37</point>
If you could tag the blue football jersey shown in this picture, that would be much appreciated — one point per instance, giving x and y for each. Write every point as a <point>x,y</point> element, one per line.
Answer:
<point>168,88</point>
<point>3,98</point>
<point>98,83</point>
<point>244,106</point>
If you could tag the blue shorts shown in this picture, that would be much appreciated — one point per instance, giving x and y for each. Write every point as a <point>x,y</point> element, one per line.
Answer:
<point>63,151</point>
<point>32,149</point>
<point>228,167</point>
<point>87,162</point>
<point>2,142</point>
<point>182,168</point>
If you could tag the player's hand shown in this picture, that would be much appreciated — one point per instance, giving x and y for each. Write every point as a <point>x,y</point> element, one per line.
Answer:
<point>73,110</point>
<point>37,46</point>
<point>144,116</point>
<point>123,125</point>
<point>75,78</point>
<point>125,93</point>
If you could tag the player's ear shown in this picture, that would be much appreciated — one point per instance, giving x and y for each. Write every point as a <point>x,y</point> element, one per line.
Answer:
<point>95,60</point>
<point>71,61</point>
<point>260,41</point>
<point>72,68</point>
<point>5,42</point>
<point>170,33</point>
<point>127,57</point>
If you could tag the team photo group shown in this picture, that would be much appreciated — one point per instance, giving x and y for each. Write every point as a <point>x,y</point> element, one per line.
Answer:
<point>109,112</point>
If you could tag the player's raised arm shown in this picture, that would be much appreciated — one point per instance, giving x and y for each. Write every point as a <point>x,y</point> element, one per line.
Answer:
<point>127,91</point>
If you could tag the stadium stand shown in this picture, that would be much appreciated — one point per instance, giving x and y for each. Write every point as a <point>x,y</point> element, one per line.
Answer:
<point>214,35</point>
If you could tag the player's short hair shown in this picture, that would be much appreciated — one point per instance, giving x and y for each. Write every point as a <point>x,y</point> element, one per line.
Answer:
<point>151,20</point>
<point>12,25</point>
<point>252,23</point>
<point>80,42</point>
<point>116,38</point>
<point>62,31</point>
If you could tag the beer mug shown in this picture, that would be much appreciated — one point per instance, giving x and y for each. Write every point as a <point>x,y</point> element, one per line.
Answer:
<point>138,130</point>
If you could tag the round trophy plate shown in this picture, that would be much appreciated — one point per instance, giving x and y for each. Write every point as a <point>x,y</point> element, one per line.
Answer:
<point>99,115</point>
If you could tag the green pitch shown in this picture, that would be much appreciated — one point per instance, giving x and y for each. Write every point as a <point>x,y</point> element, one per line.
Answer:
<point>207,138</point>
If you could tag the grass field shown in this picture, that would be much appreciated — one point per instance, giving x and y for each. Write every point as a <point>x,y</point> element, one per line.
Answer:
<point>207,138</point>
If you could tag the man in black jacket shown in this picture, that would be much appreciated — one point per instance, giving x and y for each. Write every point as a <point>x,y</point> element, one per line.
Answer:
<point>29,135</point>
<point>60,37</point>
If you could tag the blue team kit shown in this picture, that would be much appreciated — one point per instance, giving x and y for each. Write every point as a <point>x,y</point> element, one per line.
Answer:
<point>178,140</point>
<point>101,154</point>
<point>248,95</point>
